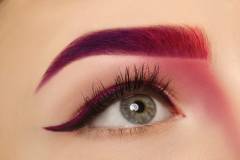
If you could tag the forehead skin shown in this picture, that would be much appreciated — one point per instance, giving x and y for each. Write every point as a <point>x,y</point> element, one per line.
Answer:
<point>33,32</point>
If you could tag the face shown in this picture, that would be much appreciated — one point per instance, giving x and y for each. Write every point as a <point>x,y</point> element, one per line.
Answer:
<point>140,80</point>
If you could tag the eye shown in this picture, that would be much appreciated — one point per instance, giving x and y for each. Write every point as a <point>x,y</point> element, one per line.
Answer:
<point>137,98</point>
<point>134,110</point>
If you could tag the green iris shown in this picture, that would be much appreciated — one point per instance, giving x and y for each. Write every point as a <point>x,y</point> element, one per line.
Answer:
<point>138,109</point>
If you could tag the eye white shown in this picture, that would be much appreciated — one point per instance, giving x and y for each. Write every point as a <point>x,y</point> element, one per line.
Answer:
<point>113,118</point>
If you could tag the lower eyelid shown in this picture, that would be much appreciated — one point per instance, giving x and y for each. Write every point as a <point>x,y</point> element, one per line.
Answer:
<point>139,131</point>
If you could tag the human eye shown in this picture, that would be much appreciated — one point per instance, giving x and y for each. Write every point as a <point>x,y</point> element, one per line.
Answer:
<point>137,99</point>
<point>159,61</point>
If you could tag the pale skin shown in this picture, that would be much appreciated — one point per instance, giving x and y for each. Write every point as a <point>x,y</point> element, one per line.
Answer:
<point>34,32</point>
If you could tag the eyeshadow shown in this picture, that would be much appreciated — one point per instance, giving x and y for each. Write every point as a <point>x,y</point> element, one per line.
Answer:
<point>142,81</point>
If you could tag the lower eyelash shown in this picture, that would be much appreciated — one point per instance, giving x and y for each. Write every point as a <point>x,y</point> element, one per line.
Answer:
<point>113,132</point>
<point>154,128</point>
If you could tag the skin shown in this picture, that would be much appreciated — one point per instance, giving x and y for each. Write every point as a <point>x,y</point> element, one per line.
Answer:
<point>34,32</point>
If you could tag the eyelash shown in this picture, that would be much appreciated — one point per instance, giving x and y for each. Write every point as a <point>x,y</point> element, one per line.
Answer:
<point>142,79</point>
<point>125,132</point>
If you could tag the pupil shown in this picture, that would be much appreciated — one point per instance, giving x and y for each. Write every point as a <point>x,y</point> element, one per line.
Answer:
<point>141,106</point>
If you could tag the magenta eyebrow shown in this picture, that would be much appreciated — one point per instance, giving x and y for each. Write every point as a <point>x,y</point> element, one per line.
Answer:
<point>164,41</point>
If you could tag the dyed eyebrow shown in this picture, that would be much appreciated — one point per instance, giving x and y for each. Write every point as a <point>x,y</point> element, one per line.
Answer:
<point>164,41</point>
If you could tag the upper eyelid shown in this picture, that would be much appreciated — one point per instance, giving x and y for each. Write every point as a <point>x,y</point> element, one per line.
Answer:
<point>139,75</point>
<point>170,41</point>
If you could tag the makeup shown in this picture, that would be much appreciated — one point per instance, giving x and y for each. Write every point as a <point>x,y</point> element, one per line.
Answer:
<point>139,82</point>
<point>164,41</point>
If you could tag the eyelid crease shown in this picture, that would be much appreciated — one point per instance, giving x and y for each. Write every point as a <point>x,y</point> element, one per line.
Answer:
<point>101,97</point>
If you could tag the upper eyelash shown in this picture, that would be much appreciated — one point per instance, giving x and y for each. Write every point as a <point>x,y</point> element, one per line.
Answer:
<point>101,97</point>
<point>126,82</point>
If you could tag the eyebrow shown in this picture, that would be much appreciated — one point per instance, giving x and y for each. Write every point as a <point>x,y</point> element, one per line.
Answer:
<point>163,41</point>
